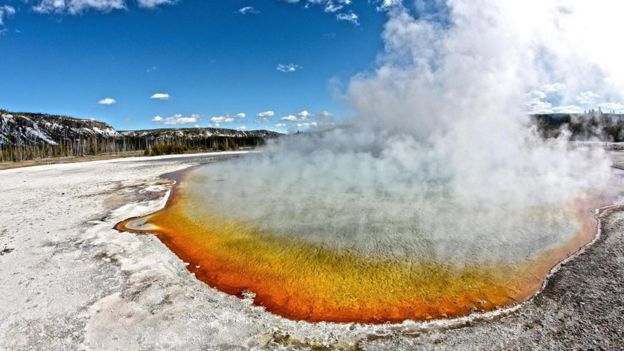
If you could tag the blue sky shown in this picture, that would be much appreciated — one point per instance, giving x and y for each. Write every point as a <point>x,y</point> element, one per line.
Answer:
<point>207,56</point>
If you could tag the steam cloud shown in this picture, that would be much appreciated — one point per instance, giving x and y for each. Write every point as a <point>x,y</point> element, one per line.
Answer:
<point>441,162</point>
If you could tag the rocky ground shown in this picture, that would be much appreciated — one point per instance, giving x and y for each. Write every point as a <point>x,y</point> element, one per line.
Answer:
<point>69,281</point>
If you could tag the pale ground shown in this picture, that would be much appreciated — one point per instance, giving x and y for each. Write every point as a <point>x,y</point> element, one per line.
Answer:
<point>68,281</point>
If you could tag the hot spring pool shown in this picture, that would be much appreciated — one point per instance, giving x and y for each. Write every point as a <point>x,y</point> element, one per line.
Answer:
<point>362,256</point>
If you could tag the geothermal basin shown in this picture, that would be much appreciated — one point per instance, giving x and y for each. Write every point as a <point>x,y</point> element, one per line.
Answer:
<point>355,256</point>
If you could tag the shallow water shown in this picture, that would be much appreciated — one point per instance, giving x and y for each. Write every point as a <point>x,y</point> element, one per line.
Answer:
<point>359,258</point>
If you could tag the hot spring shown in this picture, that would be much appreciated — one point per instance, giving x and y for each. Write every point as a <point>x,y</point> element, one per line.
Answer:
<point>365,236</point>
<point>436,197</point>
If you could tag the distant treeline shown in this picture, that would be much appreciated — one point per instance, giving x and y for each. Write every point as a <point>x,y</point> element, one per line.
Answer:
<point>98,145</point>
<point>592,125</point>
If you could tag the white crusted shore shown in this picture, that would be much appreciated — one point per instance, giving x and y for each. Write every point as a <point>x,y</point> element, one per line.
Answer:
<point>70,281</point>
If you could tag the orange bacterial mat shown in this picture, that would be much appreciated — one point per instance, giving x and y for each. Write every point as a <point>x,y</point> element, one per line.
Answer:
<point>302,281</point>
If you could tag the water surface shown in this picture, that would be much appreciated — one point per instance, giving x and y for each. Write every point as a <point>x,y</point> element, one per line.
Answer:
<point>359,256</point>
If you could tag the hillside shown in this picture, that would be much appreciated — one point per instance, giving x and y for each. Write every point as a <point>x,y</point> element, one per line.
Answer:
<point>190,133</point>
<point>38,129</point>
<point>32,136</point>
<point>592,125</point>
<point>29,136</point>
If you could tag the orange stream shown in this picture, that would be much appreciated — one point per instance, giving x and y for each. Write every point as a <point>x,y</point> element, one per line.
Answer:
<point>301,281</point>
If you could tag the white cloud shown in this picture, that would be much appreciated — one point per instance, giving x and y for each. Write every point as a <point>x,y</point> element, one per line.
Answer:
<point>537,94</point>
<point>587,97</point>
<point>74,7</point>
<point>266,114</point>
<point>248,10</point>
<point>280,125</point>
<point>307,125</point>
<point>177,119</point>
<point>290,118</point>
<point>567,109</point>
<point>160,96</point>
<point>539,106</point>
<point>611,107</point>
<point>349,17</point>
<point>288,67</point>
<point>6,11</point>
<point>107,101</point>
<point>77,6</point>
<point>553,88</point>
<point>388,4</point>
<point>304,115</point>
<point>154,3</point>
<point>217,120</point>
<point>241,128</point>
<point>306,120</point>
<point>331,7</point>
<point>334,6</point>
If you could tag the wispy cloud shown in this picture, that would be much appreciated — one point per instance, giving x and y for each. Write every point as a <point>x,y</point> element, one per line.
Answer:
<point>288,67</point>
<point>107,101</point>
<point>177,119</point>
<point>566,109</point>
<point>218,120</point>
<point>266,114</point>
<point>6,11</point>
<point>384,5</point>
<point>73,7</point>
<point>325,114</point>
<point>350,17</point>
<point>290,118</point>
<point>248,10</point>
<point>342,8</point>
<point>587,97</point>
<point>304,115</point>
<point>155,3</point>
<point>301,116</point>
<point>160,96</point>
<point>332,7</point>
<point>612,107</point>
<point>306,120</point>
<point>306,125</point>
<point>553,88</point>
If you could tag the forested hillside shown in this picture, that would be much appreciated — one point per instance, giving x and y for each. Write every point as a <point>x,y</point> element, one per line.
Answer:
<point>30,136</point>
<point>592,125</point>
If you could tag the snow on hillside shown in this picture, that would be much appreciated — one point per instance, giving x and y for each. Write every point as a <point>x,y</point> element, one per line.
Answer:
<point>38,129</point>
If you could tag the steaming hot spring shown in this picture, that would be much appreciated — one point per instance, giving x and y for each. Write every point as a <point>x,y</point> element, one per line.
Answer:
<point>356,226</point>
<point>437,200</point>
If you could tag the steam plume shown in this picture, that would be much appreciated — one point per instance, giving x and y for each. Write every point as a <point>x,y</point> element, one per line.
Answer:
<point>440,161</point>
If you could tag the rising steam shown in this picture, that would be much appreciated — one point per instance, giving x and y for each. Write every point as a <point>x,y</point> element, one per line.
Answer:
<point>440,161</point>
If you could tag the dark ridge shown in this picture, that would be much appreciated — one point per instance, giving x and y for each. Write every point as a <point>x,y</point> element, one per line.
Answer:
<point>32,136</point>
<point>593,125</point>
